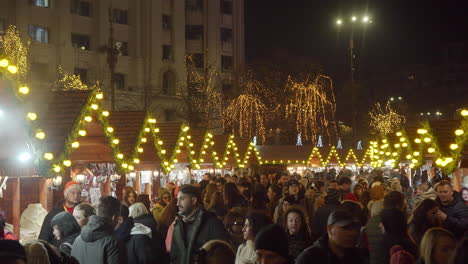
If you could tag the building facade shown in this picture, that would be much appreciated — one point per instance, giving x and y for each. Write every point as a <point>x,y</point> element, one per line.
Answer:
<point>152,38</point>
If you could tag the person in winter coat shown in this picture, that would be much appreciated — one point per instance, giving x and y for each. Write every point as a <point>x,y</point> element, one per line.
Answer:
<point>373,233</point>
<point>332,203</point>
<point>453,213</point>
<point>246,251</point>
<point>193,227</point>
<point>165,198</point>
<point>95,244</point>
<point>141,216</point>
<point>394,229</point>
<point>423,218</point>
<point>82,213</point>
<point>66,230</point>
<point>338,244</point>
<point>72,193</point>
<point>297,231</point>
<point>137,240</point>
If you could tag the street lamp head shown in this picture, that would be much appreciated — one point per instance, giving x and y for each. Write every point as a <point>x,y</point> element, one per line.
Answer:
<point>339,22</point>
<point>365,19</point>
<point>353,18</point>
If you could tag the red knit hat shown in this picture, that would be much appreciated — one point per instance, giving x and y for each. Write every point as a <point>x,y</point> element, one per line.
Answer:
<point>70,186</point>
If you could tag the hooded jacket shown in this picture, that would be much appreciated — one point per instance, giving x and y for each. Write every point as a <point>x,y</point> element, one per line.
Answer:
<point>457,215</point>
<point>69,229</point>
<point>320,252</point>
<point>137,240</point>
<point>47,232</point>
<point>189,237</point>
<point>96,243</point>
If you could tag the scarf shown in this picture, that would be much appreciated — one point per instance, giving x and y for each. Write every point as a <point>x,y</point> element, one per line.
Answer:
<point>191,217</point>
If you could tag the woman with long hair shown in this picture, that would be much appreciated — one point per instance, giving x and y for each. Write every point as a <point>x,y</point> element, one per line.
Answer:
<point>253,223</point>
<point>233,197</point>
<point>216,205</point>
<point>129,196</point>
<point>423,218</point>
<point>437,247</point>
<point>297,230</point>
<point>208,193</point>
<point>164,199</point>
<point>274,195</point>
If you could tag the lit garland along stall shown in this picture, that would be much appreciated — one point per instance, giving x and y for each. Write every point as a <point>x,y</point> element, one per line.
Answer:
<point>195,139</point>
<point>333,160</point>
<point>364,157</point>
<point>315,159</point>
<point>19,181</point>
<point>130,127</point>
<point>221,162</point>
<point>83,147</point>
<point>246,150</point>
<point>285,157</point>
<point>440,143</point>
<point>349,159</point>
<point>174,139</point>
<point>205,156</point>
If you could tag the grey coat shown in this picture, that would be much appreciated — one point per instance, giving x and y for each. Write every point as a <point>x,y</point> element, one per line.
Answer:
<point>96,245</point>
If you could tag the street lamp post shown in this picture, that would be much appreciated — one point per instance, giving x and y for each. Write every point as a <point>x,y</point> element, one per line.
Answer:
<point>354,20</point>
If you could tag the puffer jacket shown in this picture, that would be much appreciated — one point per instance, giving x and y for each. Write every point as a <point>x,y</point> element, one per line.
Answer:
<point>69,229</point>
<point>189,237</point>
<point>96,245</point>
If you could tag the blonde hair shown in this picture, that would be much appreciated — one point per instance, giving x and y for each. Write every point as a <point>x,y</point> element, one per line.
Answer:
<point>36,253</point>
<point>137,209</point>
<point>429,242</point>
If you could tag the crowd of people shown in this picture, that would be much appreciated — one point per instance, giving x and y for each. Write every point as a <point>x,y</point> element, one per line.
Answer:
<point>271,218</point>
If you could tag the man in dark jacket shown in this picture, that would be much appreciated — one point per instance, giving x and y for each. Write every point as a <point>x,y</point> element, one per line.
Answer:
<point>96,245</point>
<point>338,245</point>
<point>453,213</point>
<point>193,227</point>
<point>66,230</point>
<point>72,193</point>
<point>332,202</point>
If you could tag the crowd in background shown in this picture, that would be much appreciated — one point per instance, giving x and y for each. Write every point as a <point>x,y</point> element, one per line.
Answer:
<point>274,217</point>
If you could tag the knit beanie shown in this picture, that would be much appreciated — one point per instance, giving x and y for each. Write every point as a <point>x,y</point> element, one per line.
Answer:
<point>11,249</point>
<point>70,186</point>
<point>273,238</point>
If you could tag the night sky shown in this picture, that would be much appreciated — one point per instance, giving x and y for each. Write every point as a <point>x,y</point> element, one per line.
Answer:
<point>403,32</point>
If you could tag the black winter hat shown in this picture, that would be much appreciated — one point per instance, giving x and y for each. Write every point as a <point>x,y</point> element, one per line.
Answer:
<point>273,238</point>
<point>11,249</point>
